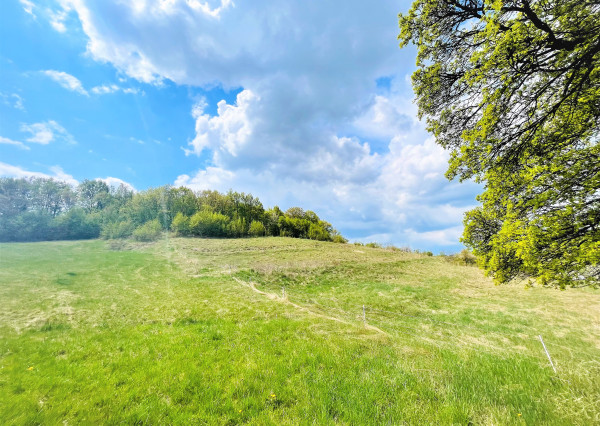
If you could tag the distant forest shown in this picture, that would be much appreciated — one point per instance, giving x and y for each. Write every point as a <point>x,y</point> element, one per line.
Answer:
<point>37,209</point>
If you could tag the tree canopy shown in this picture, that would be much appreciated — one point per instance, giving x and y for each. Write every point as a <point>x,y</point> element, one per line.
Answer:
<point>45,209</point>
<point>512,89</point>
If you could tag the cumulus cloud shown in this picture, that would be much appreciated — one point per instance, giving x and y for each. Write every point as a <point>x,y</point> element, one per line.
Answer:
<point>67,81</point>
<point>211,178</point>
<point>241,137</point>
<point>8,141</point>
<point>56,172</point>
<point>310,125</point>
<point>45,132</point>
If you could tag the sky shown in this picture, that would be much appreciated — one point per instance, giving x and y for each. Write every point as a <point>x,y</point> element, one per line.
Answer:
<point>298,103</point>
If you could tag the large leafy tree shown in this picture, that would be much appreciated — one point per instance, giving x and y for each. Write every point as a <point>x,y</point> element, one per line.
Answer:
<point>512,89</point>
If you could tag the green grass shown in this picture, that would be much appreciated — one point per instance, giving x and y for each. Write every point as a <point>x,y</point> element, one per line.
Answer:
<point>191,331</point>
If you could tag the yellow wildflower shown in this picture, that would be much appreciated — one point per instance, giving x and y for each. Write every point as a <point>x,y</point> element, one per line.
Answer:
<point>30,368</point>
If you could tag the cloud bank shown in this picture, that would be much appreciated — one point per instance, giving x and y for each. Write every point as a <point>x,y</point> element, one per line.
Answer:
<point>323,117</point>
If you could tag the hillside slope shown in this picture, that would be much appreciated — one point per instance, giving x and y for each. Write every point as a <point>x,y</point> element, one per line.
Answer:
<point>284,331</point>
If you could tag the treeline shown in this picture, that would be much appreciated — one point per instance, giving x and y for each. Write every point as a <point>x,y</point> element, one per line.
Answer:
<point>37,209</point>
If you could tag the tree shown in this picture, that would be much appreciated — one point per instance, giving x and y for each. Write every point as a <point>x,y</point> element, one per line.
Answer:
<point>272,221</point>
<point>93,195</point>
<point>51,196</point>
<point>257,229</point>
<point>181,224</point>
<point>512,89</point>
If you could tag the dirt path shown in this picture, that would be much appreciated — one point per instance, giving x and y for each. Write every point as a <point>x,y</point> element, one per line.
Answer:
<point>277,298</point>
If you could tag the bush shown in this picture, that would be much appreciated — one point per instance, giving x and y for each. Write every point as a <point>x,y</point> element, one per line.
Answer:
<point>316,232</point>
<point>373,245</point>
<point>257,229</point>
<point>208,224</point>
<point>117,230</point>
<point>339,239</point>
<point>294,227</point>
<point>76,225</point>
<point>149,231</point>
<point>465,257</point>
<point>181,224</point>
<point>237,228</point>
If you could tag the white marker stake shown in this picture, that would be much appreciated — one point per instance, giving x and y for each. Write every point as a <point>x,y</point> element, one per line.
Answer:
<point>547,354</point>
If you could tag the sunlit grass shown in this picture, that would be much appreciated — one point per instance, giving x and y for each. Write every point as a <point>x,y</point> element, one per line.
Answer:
<point>200,331</point>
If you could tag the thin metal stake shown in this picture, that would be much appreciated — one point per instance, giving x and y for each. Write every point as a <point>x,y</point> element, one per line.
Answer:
<point>547,353</point>
<point>283,292</point>
<point>364,316</point>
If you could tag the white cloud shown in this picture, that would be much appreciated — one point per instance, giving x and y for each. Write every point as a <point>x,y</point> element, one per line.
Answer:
<point>211,178</point>
<point>112,88</point>
<point>104,89</point>
<point>13,100</point>
<point>28,6</point>
<point>73,84</point>
<point>67,81</point>
<point>18,102</point>
<point>57,18</point>
<point>46,132</point>
<point>57,173</point>
<point>310,126</point>
<point>386,117</point>
<point>7,141</point>
<point>138,141</point>
<point>241,137</point>
<point>116,182</point>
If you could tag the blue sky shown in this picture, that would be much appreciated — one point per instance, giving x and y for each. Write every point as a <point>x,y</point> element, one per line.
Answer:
<point>298,103</point>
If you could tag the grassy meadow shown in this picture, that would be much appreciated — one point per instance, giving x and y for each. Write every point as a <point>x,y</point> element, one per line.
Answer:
<point>273,331</point>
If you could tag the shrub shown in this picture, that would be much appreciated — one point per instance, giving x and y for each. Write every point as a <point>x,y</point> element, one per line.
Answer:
<point>237,228</point>
<point>316,232</point>
<point>294,227</point>
<point>257,229</point>
<point>208,224</point>
<point>181,224</point>
<point>465,257</point>
<point>114,230</point>
<point>149,231</point>
<point>76,225</point>
<point>339,239</point>
<point>373,245</point>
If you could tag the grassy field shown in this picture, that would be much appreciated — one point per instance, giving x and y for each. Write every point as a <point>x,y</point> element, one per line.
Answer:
<point>271,331</point>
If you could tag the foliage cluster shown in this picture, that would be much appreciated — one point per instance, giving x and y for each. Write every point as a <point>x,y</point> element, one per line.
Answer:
<point>465,258</point>
<point>512,89</point>
<point>44,209</point>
